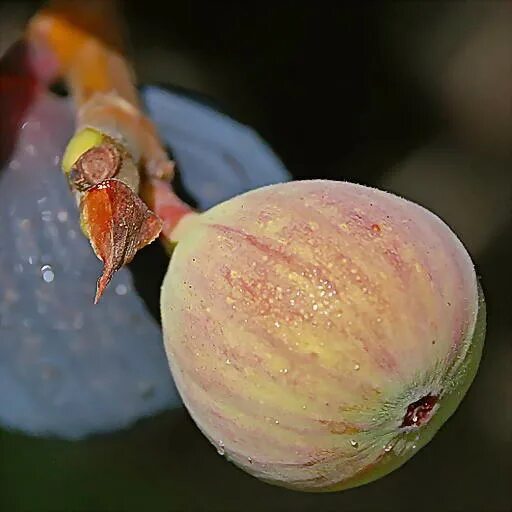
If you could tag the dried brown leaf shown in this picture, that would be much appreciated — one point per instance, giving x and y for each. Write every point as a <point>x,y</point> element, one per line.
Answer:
<point>118,224</point>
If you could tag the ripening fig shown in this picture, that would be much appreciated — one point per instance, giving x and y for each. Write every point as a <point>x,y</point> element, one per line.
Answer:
<point>320,332</point>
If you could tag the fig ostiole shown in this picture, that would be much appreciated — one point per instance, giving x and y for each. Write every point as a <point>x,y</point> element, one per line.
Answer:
<point>320,332</point>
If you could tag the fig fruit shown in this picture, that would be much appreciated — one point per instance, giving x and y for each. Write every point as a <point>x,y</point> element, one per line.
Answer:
<point>320,332</point>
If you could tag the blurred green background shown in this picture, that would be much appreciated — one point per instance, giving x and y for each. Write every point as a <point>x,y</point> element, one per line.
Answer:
<point>413,97</point>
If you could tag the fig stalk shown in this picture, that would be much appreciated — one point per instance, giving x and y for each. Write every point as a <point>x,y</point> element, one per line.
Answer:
<point>115,155</point>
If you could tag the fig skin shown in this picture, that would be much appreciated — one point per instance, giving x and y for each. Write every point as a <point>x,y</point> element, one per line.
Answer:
<point>302,320</point>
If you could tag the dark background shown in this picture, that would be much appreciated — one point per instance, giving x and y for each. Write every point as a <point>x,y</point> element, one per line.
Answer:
<point>412,97</point>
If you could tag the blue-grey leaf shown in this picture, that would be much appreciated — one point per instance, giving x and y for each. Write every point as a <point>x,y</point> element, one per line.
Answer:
<point>69,368</point>
<point>219,157</point>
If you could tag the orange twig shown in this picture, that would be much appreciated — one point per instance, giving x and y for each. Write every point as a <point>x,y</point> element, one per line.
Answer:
<point>86,39</point>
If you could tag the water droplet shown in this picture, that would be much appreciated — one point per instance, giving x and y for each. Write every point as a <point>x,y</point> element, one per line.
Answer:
<point>47,273</point>
<point>353,443</point>
<point>249,460</point>
<point>277,324</point>
<point>356,367</point>
<point>276,422</point>
<point>315,307</point>
<point>283,370</point>
<point>220,449</point>
<point>304,407</point>
<point>121,289</point>
<point>228,361</point>
<point>46,215</point>
<point>388,447</point>
<point>62,216</point>
<point>414,447</point>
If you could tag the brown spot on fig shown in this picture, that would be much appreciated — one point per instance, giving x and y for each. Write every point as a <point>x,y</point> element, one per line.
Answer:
<point>419,412</point>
